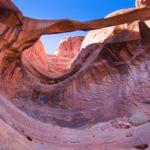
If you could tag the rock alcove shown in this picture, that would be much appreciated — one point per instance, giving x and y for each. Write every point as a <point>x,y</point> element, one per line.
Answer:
<point>94,94</point>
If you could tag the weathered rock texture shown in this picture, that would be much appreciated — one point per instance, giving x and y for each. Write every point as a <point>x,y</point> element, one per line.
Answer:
<point>58,64</point>
<point>141,3</point>
<point>36,55</point>
<point>101,102</point>
<point>69,47</point>
<point>67,51</point>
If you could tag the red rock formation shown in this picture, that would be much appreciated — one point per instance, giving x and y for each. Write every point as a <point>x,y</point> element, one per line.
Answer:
<point>101,102</point>
<point>58,65</point>
<point>36,55</point>
<point>141,3</point>
<point>69,47</point>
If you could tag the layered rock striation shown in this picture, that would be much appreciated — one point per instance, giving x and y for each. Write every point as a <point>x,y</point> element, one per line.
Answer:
<point>94,94</point>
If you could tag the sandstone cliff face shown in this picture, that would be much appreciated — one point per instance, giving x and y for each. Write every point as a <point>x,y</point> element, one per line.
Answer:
<point>67,50</point>
<point>16,74</point>
<point>36,55</point>
<point>58,64</point>
<point>101,102</point>
<point>69,47</point>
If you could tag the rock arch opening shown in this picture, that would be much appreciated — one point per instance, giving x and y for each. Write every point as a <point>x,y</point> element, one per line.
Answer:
<point>99,100</point>
<point>52,42</point>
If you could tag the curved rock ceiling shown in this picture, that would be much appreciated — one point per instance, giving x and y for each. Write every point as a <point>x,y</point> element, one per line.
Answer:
<point>95,97</point>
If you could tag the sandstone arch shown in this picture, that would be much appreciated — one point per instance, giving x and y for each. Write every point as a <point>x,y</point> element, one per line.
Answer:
<point>101,102</point>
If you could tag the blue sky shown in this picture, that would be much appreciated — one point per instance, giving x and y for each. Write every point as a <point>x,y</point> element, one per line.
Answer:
<point>81,10</point>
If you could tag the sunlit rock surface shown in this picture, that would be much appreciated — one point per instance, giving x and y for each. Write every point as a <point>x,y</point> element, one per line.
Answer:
<point>69,47</point>
<point>96,100</point>
<point>67,51</point>
<point>36,55</point>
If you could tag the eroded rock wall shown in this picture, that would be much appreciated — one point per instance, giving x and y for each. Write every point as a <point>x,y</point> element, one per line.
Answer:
<point>101,102</point>
<point>69,47</point>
